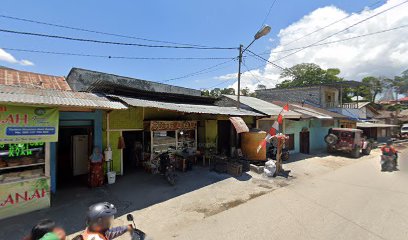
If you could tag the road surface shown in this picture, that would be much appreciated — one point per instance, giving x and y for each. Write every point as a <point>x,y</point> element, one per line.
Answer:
<point>357,201</point>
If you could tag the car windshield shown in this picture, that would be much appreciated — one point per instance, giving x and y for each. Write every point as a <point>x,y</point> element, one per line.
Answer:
<point>404,128</point>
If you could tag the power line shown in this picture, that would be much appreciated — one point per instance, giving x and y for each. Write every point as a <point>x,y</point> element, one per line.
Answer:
<point>330,24</point>
<point>113,57</point>
<point>341,40</point>
<point>97,32</point>
<point>113,43</point>
<point>200,72</point>
<point>218,84</point>
<point>269,12</point>
<point>250,72</point>
<point>274,64</point>
<point>343,30</point>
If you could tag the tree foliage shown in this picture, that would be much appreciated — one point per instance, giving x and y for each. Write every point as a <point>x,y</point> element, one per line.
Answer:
<point>216,92</point>
<point>373,87</point>
<point>306,74</point>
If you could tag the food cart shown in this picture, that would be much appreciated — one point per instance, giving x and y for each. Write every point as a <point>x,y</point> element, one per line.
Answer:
<point>176,137</point>
<point>25,134</point>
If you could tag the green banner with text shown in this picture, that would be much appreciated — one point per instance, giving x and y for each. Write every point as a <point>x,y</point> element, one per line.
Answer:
<point>20,124</point>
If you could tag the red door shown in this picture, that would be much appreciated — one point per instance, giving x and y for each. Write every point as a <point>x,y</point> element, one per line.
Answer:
<point>305,142</point>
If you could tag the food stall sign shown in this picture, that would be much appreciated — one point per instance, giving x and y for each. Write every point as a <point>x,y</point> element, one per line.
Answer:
<point>22,197</point>
<point>20,124</point>
<point>172,125</point>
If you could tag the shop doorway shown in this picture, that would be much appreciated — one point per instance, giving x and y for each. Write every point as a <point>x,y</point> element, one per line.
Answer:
<point>304,142</point>
<point>73,150</point>
<point>133,151</point>
<point>225,137</point>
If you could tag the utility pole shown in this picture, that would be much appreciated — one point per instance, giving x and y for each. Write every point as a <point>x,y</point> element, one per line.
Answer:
<point>262,32</point>
<point>239,75</point>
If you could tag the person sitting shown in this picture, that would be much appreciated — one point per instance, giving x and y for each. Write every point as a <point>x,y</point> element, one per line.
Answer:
<point>99,220</point>
<point>389,150</point>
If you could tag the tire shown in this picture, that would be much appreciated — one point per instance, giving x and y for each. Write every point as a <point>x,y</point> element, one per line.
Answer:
<point>367,150</point>
<point>355,153</point>
<point>331,139</point>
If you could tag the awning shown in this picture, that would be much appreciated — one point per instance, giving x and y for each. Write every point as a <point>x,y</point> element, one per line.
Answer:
<point>59,98</point>
<point>239,124</point>
<point>374,125</point>
<point>183,107</point>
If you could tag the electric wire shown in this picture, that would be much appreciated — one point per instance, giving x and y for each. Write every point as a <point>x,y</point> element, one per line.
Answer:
<point>112,56</point>
<point>97,32</point>
<point>342,40</point>
<point>111,42</point>
<point>331,24</point>
<point>343,30</point>
<point>266,60</point>
<point>200,72</point>
<point>269,12</point>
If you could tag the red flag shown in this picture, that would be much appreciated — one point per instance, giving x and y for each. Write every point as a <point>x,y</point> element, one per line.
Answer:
<point>280,119</point>
<point>272,131</point>
<point>286,107</point>
<point>262,144</point>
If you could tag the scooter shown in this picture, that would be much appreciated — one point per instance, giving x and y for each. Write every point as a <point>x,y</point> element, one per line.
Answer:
<point>388,163</point>
<point>137,234</point>
<point>167,168</point>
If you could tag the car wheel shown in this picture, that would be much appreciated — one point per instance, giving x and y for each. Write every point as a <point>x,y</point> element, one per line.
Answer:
<point>331,139</point>
<point>355,153</point>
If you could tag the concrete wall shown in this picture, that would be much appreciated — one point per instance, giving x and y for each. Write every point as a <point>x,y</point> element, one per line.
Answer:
<point>309,94</point>
<point>316,129</point>
<point>119,120</point>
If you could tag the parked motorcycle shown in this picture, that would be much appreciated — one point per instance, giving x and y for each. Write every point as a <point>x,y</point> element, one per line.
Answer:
<point>271,153</point>
<point>167,168</point>
<point>137,234</point>
<point>388,163</point>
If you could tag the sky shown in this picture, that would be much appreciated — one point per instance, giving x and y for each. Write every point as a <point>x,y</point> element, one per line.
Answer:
<point>225,24</point>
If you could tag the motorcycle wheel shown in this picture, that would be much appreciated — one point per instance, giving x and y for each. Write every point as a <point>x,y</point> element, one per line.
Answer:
<point>171,179</point>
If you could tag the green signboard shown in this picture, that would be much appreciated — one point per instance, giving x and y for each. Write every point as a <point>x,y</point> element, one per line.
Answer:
<point>25,196</point>
<point>28,124</point>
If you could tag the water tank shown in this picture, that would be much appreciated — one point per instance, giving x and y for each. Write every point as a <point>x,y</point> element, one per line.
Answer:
<point>250,142</point>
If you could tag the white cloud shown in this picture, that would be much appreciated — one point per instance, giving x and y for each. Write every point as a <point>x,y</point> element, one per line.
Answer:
<point>25,62</point>
<point>384,54</point>
<point>7,57</point>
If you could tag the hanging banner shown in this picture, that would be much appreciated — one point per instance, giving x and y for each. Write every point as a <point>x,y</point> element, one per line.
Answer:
<point>239,124</point>
<point>23,197</point>
<point>20,124</point>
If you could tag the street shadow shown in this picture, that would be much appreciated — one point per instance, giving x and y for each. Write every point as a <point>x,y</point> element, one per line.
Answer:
<point>132,192</point>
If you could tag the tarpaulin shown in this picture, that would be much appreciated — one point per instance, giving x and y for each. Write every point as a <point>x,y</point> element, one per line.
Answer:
<point>239,124</point>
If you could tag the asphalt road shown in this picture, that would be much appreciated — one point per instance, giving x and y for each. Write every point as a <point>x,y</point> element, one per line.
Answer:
<point>357,201</point>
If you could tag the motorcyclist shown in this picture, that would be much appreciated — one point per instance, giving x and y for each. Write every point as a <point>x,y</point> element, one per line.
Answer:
<point>99,221</point>
<point>389,150</point>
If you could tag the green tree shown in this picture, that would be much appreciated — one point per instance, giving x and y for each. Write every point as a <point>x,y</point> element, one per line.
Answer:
<point>260,86</point>
<point>306,74</point>
<point>245,91</point>
<point>228,91</point>
<point>373,86</point>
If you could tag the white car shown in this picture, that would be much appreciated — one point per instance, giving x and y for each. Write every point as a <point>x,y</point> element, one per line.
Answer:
<point>404,130</point>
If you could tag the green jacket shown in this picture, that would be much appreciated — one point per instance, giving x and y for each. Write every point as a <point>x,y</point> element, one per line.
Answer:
<point>50,236</point>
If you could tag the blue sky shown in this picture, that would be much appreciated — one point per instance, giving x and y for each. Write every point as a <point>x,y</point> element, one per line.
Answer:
<point>224,23</point>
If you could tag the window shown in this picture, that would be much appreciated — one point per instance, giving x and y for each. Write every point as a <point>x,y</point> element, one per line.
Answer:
<point>290,142</point>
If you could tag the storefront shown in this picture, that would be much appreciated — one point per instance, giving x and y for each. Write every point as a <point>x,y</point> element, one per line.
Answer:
<point>25,136</point>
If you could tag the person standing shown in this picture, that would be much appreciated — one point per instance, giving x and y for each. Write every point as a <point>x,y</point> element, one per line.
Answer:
<point>96,175</point>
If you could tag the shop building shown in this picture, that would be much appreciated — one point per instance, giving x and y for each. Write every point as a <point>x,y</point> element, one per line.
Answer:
<point>159,117</point>
<point>32,109</point>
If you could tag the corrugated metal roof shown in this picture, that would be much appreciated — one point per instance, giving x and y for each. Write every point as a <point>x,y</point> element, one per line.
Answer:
<point>20,95</point>
<point>374,125</point>
<point>263,106</point>
<point>189,108</point>
<point>309,111</point>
